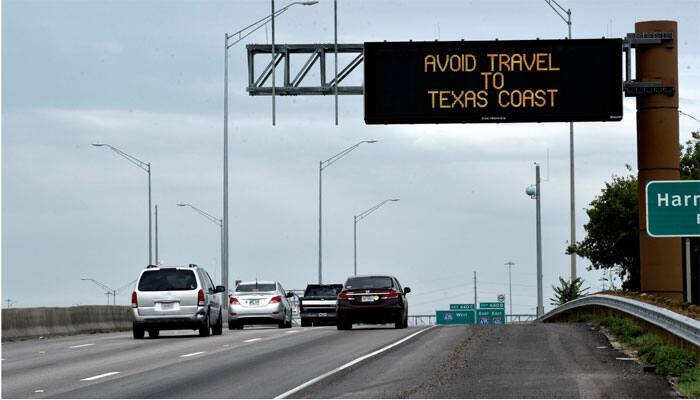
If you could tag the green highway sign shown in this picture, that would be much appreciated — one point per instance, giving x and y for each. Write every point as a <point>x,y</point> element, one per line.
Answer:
<point>673,208</point>
<point>455,317</point>
<point>491,316</point>
<point>492,305</point>
<point>462,306</point>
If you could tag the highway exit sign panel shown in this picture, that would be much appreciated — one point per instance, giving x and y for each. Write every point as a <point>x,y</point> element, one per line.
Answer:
<point>493,81</point>
<point>673,208</point>
<point>462,307</point>
<point>493,316</point>
<point>455,317</point>
<point>492,305</point>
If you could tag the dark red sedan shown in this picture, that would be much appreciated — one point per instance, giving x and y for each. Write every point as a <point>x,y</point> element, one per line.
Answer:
<point>375,299</point>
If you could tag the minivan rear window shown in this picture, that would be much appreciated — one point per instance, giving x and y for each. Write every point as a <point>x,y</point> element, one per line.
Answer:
<point>383,282</point>
<point>256,287</point>
<point>167,279</point>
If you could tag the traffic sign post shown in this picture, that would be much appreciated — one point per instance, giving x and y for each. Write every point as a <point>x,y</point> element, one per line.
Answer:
<point>673,208</point>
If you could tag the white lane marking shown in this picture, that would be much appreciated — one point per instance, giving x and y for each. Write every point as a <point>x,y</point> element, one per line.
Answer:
<point>291,331</point>
<point>81,345</point>
<point>192,354</point>
<point>225,345</point>
<point>625,358</point>
<point>42,352</point>
<point>92,378</point>
<point>39,391</point>
<point>252,340</point>
<point>350,364</point>
<point>602,347</point>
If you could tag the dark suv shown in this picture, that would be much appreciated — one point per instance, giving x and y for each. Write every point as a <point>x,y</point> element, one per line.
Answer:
<point>375,299</point>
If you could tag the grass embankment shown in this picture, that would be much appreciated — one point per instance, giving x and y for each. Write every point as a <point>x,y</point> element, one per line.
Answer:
<point>680,364</point>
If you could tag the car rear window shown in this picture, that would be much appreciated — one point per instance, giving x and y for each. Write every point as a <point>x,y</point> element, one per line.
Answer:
<point>321,291</point>
<point>383,282</point>
<point>256,287</point>
<point>167,279</point>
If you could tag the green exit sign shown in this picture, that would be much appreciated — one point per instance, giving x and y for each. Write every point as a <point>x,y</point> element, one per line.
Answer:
<point>492,305</point>
<point>462,306</point>
<point>673,208</point>
<point>455,317</point>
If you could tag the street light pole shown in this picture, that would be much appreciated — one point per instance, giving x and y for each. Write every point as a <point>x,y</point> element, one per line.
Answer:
<point>535,193</point>
<point>360,217</point>
<point>321,166</point>
<point>237,37</point>
<point>146,166</point>
<point>572,192</point>
<point>510,287</point>
<point>220,223</point>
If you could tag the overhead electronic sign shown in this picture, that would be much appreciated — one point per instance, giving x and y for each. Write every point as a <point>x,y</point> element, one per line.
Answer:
<point>493,81</point>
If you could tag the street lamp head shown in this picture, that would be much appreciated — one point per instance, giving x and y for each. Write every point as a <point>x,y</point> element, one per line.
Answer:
<point>182,204</point>
<point>371,141</point>
<point>308,3</point>
<point>394,199</point>
<point>84,279</point>
<point>99,144</point>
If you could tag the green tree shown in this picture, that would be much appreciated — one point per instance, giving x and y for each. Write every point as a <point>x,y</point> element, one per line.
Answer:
<point>612,233</point>
<point>568,290</point>
<point>690,158</point>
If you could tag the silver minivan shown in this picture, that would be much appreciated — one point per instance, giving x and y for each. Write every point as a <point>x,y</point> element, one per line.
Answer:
<point>259,302</point>
<point>168,298</point>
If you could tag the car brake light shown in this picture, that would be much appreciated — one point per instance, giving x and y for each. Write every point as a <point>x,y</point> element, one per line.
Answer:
<point>344,296</point>
<point>200,297</point>
<point>234,301</point>
<point>391,295</point>
<point>134,302</point>
<point>276,299</point>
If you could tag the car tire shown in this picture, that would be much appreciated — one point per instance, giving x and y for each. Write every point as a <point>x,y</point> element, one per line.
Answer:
<point>398,323</point>
<point>305,322</point>
<point>344,325</point>
<point>153,333</point>
<point>205,329</point>
<point>219,327</point>
<point>234,325</point>
<point>282,324</point>
<point>289,323</point>
<point>138,331</point>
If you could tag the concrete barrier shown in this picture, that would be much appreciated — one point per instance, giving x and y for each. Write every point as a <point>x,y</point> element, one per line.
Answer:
<point>19,323</point>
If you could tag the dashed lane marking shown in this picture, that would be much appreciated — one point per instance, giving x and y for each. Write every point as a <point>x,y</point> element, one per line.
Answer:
<point>602,347</point>
<point>252,340</point>
<point>626,358</point>
<point>81,345</point>
<point>350,364</point>
<point>291,331</point>
<point>192,354</point>
<point>39,391</point>
<point>92,378</point>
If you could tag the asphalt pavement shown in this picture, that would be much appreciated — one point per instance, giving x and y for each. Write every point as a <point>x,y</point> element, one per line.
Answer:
<point>513,361</point>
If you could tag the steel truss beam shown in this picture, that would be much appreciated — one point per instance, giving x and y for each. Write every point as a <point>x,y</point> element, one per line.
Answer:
<point>316,55</point>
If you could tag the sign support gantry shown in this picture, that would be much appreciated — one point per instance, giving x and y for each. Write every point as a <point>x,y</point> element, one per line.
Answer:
<point>297,85</point>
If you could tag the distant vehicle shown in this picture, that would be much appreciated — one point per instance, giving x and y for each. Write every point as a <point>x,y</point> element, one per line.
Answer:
<point>376,299</point>
<point>176,298</point>
<point>318,304</point>
<point>254,303</point>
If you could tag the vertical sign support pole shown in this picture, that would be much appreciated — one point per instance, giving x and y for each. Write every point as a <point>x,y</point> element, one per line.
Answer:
<point>660,259</point>
<point>476,305</point>
<point>540,306</point>
<point>688,275</point>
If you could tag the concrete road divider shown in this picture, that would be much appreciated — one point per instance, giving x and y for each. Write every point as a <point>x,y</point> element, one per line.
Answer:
<point>20,323</point>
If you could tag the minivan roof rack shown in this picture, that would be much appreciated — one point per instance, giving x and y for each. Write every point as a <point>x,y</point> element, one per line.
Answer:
<point>193,265</point>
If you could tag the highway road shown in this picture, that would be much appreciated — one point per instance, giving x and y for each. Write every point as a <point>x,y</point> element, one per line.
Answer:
<point>516,361</point>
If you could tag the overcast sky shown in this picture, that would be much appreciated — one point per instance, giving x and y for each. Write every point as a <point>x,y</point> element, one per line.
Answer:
<point>147,77</point>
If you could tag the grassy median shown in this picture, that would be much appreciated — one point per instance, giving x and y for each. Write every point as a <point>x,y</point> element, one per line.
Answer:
<point>668,360</point>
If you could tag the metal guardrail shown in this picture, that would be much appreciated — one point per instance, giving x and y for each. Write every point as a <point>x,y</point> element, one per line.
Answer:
<point>681,326</point>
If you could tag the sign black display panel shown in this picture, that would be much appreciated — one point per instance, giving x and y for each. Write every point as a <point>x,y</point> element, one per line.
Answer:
<point>493,81</point>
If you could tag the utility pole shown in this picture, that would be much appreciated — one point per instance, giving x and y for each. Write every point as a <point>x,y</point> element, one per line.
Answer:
<point>510,288</point>
<point>156,215</point>
<point>9,302</point>
<point>540,306</point>
<point>476,305</point>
